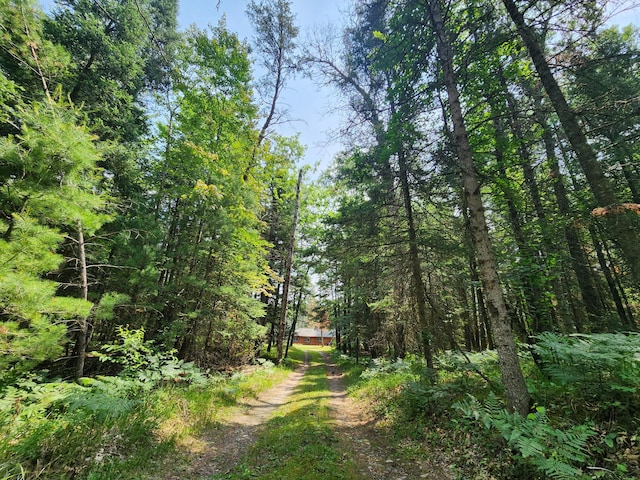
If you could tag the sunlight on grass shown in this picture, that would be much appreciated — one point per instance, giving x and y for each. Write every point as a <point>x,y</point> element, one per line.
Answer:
<point>298,441</point>
<point>189,413</point>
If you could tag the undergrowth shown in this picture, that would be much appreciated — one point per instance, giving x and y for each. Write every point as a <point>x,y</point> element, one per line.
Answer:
<point>584,423</point>
<point>117,427</point>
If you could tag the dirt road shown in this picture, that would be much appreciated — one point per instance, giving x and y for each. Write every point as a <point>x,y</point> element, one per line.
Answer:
<point>358,439</point>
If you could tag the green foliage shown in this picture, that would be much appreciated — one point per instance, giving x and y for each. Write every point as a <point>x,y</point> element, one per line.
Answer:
<point>112,427</point>
<point>105,309</point>
<point>581,434</point>
<point>50,174</point>
<point>602,369</point>
<point>382,366</point>
<point>26,57</point>
<point>147,365</point>
<point>106,44</point>
<point>57,429</point>
<point>558,453</point>
<point>25,298</point>
<point>51,169</point>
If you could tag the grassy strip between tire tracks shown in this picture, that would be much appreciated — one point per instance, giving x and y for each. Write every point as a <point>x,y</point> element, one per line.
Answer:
<point>298,442</point>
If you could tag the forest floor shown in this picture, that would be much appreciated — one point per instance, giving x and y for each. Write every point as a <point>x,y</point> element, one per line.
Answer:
<point>366,450</point>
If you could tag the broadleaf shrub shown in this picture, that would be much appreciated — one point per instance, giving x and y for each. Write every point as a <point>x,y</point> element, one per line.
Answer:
<point>140,361</point>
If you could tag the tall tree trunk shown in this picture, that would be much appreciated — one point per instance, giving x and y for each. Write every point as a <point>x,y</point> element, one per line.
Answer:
<point>579,261</point>
<point>613,288</point>
<point>512,377</point>
<point>600,185</point>
<point>548,244</point>
<point>289,266</point>
<point>534,297</point>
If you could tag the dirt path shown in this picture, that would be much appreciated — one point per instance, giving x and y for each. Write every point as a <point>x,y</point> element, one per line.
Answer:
<point>358,439</point>
<point>226,446</point>
<point>367,446</point>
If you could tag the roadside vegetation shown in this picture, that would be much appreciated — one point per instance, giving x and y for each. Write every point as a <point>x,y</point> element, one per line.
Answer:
<point>157,229</point>
<point>121,426</point>
<point>298,442</point>
<point>583,425</point>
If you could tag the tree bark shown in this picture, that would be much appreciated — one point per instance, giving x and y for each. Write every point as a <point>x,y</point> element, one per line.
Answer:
<point>81,343</point>
<point>534,297</point>
<point>416,271</point>
<point>295,322</point>
<point>613,288</point>
<point>579,261</point>
<point>512,377</point>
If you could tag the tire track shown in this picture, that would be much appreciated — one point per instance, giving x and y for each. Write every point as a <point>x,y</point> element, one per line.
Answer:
<point>365,445</point>
<point>227,445</point>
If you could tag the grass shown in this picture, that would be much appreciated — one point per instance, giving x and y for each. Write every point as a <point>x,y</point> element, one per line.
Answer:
<point>414,416</point>
<point>98,438</point>
<point>298,442</point>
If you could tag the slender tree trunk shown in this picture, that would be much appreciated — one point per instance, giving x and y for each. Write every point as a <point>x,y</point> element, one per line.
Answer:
<point>632,181</point>
<point>579,261</point>
<point>480,310</point>
<point>34,53</point>
<point>548,244</point>
<point>613,288</point>
<point>533,296</point>
<point>81,345</point>
<point>512,377</point>
<point>416,271</point>
<point>600,185</point>
<point>294,323</point>
<point>271,335</point>
<point>289,266</point>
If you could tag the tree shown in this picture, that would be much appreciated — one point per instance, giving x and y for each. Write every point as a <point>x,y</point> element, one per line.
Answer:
<point>604,89</point>
<point>359,77</point>
<point>288,268</point>
<point>34,63</point>
<point>275,36</point>
<point>512,378</point>
<point>49,183</point>
<point>210,254</point>
<point>622,228</point>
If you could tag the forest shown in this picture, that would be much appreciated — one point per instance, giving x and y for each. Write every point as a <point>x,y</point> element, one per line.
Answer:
<point>475,245</point>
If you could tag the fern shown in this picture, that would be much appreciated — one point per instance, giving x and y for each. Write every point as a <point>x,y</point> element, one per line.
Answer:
<point>382,366</point>
<point>104,397</point>
<point>557,453</point>
<point>602,364</point>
